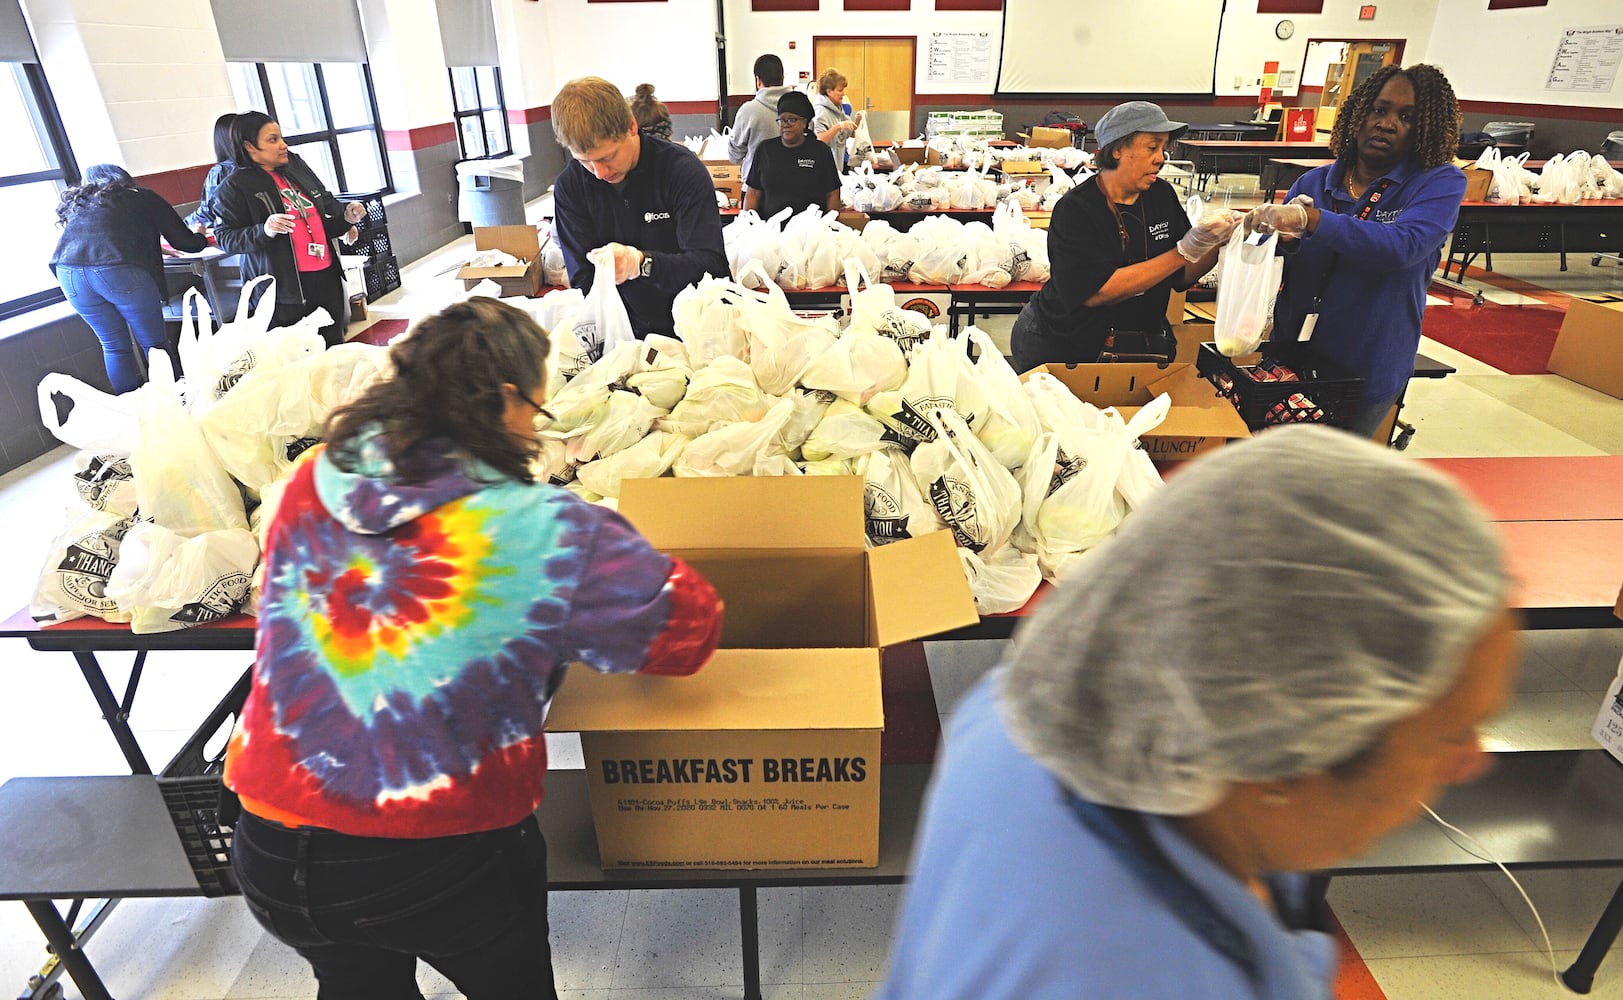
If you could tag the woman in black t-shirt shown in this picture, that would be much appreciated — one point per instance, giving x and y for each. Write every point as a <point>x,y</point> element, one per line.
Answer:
<point>1118,244</point>
<point>790,172</point>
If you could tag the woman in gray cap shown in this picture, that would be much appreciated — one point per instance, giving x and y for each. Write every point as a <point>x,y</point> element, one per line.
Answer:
<point>1262,673</point>
<point>789,171</point>
<point>1118,244</point>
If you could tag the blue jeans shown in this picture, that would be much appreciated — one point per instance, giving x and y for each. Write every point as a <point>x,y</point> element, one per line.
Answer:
<point>124,306</point>
<point>1371,414</point>
<point>362,910</point>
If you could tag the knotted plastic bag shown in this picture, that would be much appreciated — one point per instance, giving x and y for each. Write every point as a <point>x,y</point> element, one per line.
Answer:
<point>1245,299</point>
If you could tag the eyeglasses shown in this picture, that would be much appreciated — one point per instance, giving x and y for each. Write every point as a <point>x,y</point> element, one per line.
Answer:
<point>784,121</point>
<point>541,411</point>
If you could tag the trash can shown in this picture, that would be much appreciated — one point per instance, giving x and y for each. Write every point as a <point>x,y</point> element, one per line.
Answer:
<point>492,191</point>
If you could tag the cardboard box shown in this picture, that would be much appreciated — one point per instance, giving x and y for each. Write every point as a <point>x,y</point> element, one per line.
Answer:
<point>1043,137</point>
<point>1477,181</point>
<point>854,220</point>
<point>725,175</point>
<point>906,154</point>
<point>1199,421</point>
<point>1589,348</point>
<point>768,757</point>
<point>522,242</point>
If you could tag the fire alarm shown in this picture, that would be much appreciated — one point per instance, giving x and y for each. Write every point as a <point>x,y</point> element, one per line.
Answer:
<point>1366,12</point>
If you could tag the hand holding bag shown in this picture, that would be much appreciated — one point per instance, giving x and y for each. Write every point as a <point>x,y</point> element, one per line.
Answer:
<point>1245,299</point>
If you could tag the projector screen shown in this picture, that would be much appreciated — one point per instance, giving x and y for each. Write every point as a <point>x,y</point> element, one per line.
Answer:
<point>1148,47</point>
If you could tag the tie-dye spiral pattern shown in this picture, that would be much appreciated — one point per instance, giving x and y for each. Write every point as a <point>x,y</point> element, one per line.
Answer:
<point>403,674</point>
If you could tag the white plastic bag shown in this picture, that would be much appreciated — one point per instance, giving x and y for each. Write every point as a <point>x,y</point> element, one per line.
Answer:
<point>649,458</point>
<point>179,483</point>
<point>1002,582</point>
<point>73,581</point>
<point>893,506</point>
<point>603,324</point>
<point>171,581</point>
<point>734,449</point>
<point>861,143</point>
<point>105,482</point>
<point>939,377</point>
<point>1245,299</point>
<point>723,392</point>
<point>83,416</point>
<point>1071,500</point>
<point>845,431</point>
<point>974,494</point>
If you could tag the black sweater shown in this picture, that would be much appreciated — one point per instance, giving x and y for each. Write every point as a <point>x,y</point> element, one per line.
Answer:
<point>242,204</point>
<point>123,228</point>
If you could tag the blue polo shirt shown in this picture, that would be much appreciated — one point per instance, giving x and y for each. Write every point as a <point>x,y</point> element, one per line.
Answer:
<point>1012,897</point>
<point>1379,269</point>
<point>665,207</point>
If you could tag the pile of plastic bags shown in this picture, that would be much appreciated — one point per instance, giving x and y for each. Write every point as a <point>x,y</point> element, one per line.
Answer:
<point>1027,477</point>
<point>808,250</point>
<point>170,477</point>
<point>1565,179</point>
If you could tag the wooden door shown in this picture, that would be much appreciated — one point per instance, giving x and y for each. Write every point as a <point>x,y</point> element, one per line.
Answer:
<point>879,70</point>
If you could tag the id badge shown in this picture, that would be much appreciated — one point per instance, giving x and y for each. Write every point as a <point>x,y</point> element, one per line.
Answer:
<point>1308,323</point>
<point>317,250</point>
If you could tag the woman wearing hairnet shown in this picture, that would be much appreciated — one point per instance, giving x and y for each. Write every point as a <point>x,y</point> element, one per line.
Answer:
<point>1265,670</point>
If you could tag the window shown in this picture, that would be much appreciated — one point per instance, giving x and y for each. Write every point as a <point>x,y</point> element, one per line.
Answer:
<point>481,113</point>
<point>327,114</point>
<point>35,166</point>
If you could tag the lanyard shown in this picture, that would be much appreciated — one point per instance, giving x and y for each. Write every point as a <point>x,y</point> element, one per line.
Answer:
<point>1127,836</point>
<point>1362,209</point>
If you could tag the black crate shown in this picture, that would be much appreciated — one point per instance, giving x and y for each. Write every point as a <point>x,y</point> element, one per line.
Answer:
<point>194,807</point>
<point>1324,392</point>
<point>191,789</point>
<point>382,277</point>
<point>370,243</point>
<point>375,215</point>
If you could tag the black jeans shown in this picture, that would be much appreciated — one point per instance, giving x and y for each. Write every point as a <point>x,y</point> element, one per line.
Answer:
<point>362,910</point>
<point>324,289</point>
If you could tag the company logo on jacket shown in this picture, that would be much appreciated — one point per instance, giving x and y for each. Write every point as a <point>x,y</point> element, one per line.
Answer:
<point>1160,231</point>
<point>655,216</point>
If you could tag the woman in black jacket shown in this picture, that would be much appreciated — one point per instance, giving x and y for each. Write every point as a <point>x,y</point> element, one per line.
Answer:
<point>111,269</point>
<point>276,213</point>
<point>202,217</point>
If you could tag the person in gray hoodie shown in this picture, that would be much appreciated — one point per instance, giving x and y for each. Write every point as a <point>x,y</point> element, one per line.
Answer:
<point>758,118</point>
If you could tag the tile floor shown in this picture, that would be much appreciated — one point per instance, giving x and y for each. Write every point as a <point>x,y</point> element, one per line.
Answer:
<point>1437,937</point>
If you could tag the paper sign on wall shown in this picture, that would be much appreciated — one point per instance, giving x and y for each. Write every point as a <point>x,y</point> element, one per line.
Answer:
<point>1586,59</point>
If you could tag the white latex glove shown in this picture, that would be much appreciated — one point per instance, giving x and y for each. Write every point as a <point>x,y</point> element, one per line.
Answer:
<point>1207,234</point>
<point>627,260</point>
<point>279,224</point>
<point>354,212</point>
<point>1288,220</point>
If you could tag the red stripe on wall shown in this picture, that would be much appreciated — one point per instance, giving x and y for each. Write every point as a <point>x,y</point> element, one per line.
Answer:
<point>968,4</point>
<point>529,116</point>
<point>421,137</point>
<point>690,107</point>
<point>177,186</point>
<point>1538,110</point>
<point>878,4</point>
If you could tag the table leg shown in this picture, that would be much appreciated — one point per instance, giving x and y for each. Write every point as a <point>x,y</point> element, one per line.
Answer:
<point>60,935</point>
<point>1580,975</point>
<point>115,714</point>
<point>750,931</point>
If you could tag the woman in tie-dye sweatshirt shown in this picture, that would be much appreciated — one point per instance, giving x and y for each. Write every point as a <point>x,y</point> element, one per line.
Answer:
<point>422,595</point>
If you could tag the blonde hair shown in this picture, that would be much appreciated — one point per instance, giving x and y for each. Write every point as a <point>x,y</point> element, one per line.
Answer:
<point>831,80</point>
<point>588,112</point>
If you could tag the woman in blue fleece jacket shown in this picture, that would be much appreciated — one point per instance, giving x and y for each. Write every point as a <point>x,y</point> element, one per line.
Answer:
<point>1363,235</point>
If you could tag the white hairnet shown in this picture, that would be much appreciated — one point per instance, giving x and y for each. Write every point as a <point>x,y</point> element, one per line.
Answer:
<point>1266,615</point>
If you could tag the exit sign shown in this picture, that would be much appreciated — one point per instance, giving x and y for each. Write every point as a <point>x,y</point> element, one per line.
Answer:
<point>1366,12</point>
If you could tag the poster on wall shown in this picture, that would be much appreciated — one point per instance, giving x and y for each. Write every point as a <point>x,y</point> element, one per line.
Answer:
<point>1586,59</point>
<point>962,58</point>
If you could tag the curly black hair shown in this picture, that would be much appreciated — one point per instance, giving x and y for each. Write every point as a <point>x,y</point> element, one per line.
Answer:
<point>1437,115</point>
<point>102,183</point>
<point>447,385</point>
